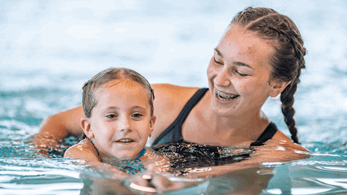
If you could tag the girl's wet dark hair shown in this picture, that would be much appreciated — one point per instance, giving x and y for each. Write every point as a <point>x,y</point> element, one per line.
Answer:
<point>288,58</point>
<point>89,100</point>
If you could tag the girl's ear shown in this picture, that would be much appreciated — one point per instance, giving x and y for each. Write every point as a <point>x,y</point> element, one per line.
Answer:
<point>86,126</point>
<point>151,125</point>
<point>278,87</point>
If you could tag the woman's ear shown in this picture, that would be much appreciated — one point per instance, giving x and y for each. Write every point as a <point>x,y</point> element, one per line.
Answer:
<point>151,124</point>
<point>86,126</point>
<point>278,87</point>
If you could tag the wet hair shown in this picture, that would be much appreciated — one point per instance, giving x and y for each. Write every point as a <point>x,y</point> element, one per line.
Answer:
<point>288,57</point>
<point>89,100</point>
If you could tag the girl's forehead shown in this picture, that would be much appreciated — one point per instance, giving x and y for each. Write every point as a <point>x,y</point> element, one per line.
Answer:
<point>124,83</point>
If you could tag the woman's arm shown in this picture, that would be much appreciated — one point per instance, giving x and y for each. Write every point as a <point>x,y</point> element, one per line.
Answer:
<point>273,151</point>
<point>58,126</point>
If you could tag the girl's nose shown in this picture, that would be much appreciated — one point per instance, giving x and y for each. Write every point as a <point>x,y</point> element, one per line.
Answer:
<point>222,77</point>
<point>125,124</point>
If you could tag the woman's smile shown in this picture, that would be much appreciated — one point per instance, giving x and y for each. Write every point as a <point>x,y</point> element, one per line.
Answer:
<point>222,96</point>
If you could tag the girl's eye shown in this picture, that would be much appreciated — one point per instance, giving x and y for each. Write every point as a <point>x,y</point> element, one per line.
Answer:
<point>111,116</point>
<point>137,115</point>
<point>217,62</point>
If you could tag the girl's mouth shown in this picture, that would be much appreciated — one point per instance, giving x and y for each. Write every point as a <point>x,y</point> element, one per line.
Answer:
<point>125,140</point>
<point>225,97</point>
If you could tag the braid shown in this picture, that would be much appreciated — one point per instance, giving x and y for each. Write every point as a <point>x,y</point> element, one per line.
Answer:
<point>288,59</point>
<point>287,99</point>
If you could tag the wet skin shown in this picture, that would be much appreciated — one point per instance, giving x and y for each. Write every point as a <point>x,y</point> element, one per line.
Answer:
<point>239,73</point>
<point>121,121</point>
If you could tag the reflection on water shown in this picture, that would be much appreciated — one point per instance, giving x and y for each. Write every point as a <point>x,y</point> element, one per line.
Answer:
<point>189,158</point>
<point>309,177</point>
<point>38,176</point>
<point>22,170</point>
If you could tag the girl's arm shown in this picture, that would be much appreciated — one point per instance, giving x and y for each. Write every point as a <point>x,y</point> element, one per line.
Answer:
<point>85,150</point>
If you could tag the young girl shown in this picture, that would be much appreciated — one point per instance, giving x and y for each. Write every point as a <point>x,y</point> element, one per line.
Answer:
<point>118,117</point>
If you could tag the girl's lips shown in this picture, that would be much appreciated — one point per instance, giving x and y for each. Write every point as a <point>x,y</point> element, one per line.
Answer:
<point>125,140</point>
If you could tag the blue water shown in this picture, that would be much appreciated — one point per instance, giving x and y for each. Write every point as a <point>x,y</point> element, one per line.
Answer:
<point>48,49</point>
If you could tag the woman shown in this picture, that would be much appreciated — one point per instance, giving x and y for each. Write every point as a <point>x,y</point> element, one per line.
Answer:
<point>261,54</point>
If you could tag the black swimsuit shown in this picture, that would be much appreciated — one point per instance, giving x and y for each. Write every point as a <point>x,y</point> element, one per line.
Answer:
<point>174,132</point>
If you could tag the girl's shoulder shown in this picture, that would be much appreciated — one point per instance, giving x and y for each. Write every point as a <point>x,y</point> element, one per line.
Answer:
<point>84,150</point>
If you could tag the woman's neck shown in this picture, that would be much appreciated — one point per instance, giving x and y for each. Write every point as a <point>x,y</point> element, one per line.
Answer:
<point>226,130</point>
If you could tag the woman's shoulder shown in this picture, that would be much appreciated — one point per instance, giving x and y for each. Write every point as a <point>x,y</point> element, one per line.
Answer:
<point>169,97</point>
<point>168,103</point>
<point>165,89</point>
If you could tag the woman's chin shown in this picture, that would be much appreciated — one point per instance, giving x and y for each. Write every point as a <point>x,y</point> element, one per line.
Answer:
<point>224,110</point>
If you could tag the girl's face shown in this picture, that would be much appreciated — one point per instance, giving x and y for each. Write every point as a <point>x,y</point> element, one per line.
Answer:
<point>121,121</point>
<point>239,73</point>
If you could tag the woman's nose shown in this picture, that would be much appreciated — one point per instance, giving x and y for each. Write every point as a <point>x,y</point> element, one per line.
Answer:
<point>222,78</point>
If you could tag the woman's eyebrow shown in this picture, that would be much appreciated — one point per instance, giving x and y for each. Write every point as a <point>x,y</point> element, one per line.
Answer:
<point>218,52</point>
<point>235,63</point>
<point>242,64</point>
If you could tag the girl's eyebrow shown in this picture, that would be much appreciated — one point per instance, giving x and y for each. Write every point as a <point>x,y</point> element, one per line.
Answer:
<point>138,107</point>
<point>235,63</point>
<point>117,108</point>
<point>112,108</point>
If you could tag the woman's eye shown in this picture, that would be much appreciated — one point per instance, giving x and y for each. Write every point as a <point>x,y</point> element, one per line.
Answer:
<point>217,62</point>
<point>111,116</point>
<point>241,74</point>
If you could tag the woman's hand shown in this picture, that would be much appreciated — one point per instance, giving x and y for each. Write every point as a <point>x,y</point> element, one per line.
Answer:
<point>44,142</point>
<point>152,182</point>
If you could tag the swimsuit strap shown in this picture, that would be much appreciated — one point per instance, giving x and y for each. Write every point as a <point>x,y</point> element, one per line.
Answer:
<point>267,134</point>
<point>95,149</point>
<point>143,151</point>
<point>174,131</point>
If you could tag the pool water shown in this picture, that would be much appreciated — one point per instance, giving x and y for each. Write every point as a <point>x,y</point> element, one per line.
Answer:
<point>23,171</point>
<point>50,48</point>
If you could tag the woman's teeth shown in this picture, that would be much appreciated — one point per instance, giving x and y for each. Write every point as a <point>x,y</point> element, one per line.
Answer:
<point>225,97</point>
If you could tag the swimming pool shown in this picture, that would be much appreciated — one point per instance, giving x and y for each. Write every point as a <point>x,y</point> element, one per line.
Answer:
<point>48,50</point>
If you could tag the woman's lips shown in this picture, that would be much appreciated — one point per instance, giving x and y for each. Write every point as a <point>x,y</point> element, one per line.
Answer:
<point>225,96</point>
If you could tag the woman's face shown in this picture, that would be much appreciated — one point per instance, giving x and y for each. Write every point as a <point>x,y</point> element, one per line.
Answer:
<point>239,73</point>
